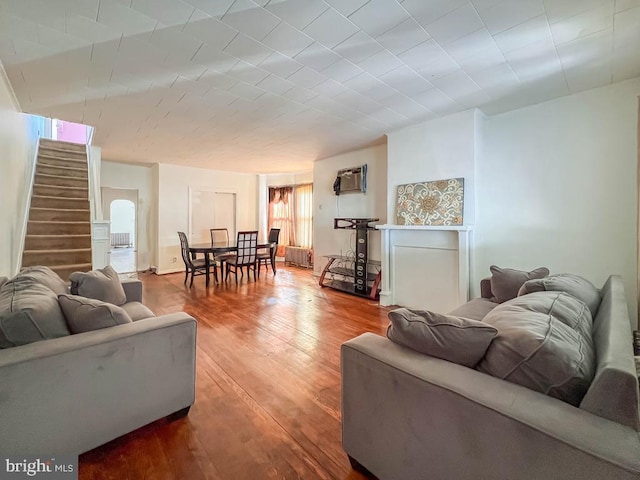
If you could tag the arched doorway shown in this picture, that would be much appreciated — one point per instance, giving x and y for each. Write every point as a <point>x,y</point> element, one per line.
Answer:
<point>122,214</point>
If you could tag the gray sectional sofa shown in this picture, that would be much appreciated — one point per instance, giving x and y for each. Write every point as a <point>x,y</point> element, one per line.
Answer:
<point>70,394</point>
<point>406,415</point>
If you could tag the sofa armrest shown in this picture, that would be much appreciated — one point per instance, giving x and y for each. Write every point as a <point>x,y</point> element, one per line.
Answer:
<point>132,289</point>
<point>485,288</point>
<point>468,422</point>
<point>71,394</point>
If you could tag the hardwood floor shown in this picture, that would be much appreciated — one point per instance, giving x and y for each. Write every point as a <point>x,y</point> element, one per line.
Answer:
<point>267,384</point>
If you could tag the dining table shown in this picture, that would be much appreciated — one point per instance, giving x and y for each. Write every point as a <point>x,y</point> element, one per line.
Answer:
<point>210,250</point>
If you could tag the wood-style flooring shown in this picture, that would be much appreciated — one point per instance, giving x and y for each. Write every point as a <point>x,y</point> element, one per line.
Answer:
<point>267,383</point>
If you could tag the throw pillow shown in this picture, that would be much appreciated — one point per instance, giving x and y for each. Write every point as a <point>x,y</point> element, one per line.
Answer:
<point>505,282</point>
<point>29,312</point>
<point>44,276</point>
<point>456,339</point>
<point>87,314</point>
<point>544,343</point>
<point>579,287</point>
<point>99,284</point>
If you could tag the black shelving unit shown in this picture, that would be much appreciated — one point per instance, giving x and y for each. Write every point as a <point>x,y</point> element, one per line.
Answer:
<point>353,274</point>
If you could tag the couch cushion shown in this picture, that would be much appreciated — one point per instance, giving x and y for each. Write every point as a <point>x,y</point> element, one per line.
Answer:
<point>44,276</point>
<point>505,282</point>
<point>579,287</point>
<point>3,280</point>
<point>100,284</point>
<point>459,340</point>
<point>137,311</point>
<point>475,309</point>
<point>87,314</point>
<point>29,312</point>
<point>543,343</point>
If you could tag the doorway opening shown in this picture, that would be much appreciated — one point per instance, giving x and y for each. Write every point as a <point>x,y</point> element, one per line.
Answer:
<point>120,208</point>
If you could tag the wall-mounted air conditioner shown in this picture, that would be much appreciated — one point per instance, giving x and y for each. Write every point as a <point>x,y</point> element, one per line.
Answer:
<point>351,180</point>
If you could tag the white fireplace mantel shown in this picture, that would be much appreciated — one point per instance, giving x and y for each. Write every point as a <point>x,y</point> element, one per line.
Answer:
<point>425,266</point>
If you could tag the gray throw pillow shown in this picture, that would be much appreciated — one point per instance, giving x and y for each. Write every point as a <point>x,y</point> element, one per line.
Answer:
<point>100,284</point>
<point>506,282</point>
<point>544,343</point>
<point>44,276</point>
<point>456,339</point>
<point>29,312</point>
<point>87,314</point>
<point>579,287</point>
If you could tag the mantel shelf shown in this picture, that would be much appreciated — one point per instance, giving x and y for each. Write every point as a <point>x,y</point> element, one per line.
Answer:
<point>454,228</point>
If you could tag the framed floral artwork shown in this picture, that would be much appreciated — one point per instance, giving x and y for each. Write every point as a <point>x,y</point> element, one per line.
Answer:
<point>438,202</point>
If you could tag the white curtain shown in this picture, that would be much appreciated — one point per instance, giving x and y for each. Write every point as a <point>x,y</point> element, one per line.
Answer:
<point>304,215</point>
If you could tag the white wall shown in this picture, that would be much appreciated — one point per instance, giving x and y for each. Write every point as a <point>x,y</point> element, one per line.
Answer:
<point>173,205</point>
<point>435,150</point>
<point>327,206</point>
<point>140,178</point>
<point>556,186</point>
<point>16,155</point>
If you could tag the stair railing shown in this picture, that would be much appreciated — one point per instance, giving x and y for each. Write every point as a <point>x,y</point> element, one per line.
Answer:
<point>100,247</point>
<point>23,224</point>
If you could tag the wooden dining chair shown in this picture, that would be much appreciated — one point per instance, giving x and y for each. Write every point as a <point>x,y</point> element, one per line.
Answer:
<point>267,258</point>
<point>245,256</point>
<point>192,265</point>
<point>221,235</point>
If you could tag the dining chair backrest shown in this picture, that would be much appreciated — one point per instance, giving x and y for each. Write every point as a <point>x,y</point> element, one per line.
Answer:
<point>219,235</point>
<point>274,235</point>
<point>247,247</point>
<point>184,248</point>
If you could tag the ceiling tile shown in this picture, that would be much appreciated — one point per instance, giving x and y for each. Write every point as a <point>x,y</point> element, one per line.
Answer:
<point>622,5</point>
<point>252,21</point>
<point>560,9</point>
<point>167,12</point>
<point>215,8</point>
<point>317,56</point>
<point>307,78</point>
<point>287,40</point>
<point>454,25</point>
<point>429,59</point>
<point>436,101</point>
<point>509,13</point>
<point>248,73</point>
<point>275,85</point>
<point>346,7</point>
<point>299,94</point>
<point>82,27</point>
<point>404,36</point>
<point>583,24</point>
<point>248,92</point>
<point>523,34</point>
<point>210,30</point>
<point>378,16</point>
<point>330,88</point>
<point>330,28</point>
<point>248,49</point>
<point>497,80</point>
<point>428,11</point>
<point>298,13</point>
<point>358,47</point>
<point>536,61</point>
<point>380,63</point>
<point>124,19</point>
<point>407,81</point>
<point>214,59</point>
<point>342,70</point>
<point>280,65</point>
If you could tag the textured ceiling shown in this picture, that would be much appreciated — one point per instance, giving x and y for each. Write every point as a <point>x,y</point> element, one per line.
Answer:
<point>271,85</point>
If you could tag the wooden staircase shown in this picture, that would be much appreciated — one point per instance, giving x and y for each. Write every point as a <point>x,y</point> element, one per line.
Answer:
<point>59,228</point>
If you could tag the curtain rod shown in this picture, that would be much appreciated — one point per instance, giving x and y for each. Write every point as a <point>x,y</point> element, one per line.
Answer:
<point>291,185</point>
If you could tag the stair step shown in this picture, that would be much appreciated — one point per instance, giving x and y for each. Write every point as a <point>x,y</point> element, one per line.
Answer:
<point>57,181</point>
<point>63,144</point>
<point>35,227</point>
<point>56,257</point>
<point>64,192</point>
<point>60,171</point>
<point>55,160</point>
<point>59,215</point>
<point>56,242</point>
<point>43,201</point>
<point>64,271</point>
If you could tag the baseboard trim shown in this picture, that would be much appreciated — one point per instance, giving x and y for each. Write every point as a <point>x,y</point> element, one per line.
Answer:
<point>166,272</point>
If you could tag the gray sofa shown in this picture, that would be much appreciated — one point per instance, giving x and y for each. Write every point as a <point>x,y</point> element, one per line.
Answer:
<point>71,394</point>
<point>406,415</point>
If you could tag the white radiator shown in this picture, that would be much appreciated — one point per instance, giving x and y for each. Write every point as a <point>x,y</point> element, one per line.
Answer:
<point>121,239</point>
<point>300,256</point>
